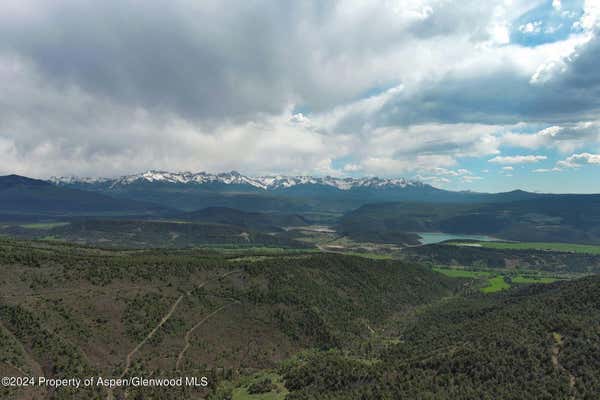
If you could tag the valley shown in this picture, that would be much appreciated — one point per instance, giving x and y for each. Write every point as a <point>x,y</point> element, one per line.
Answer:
<point>118,312</point>
<point>299,200</point>
<point>304,290</point>
<point>256,323</point>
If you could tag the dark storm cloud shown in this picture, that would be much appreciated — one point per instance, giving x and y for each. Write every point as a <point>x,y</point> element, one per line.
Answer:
<point>212,59</point>
<point>583,74</point>
<point>97,87</point>
<point>204,61</point>
<point>504,96</point>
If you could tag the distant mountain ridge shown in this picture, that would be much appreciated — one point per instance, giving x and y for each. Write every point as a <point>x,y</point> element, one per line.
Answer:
<point>549,218</point>
<point>235,178</point>
<point>20,195</point>
<point>189,191</point>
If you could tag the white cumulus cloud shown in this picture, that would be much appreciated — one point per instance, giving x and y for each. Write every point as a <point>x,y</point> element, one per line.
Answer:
<point>525,159</point>
<point>577,160</point>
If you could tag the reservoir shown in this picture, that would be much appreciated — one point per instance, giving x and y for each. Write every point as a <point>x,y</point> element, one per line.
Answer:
<point>437,237</point>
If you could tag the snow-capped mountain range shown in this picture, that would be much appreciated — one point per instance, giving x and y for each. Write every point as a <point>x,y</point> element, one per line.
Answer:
<point>235,178</point>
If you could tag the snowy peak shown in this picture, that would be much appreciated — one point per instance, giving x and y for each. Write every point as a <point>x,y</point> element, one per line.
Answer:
<point>235,178</point>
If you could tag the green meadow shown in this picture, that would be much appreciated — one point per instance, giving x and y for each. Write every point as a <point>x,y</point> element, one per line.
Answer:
<point>495,284</point>
<point>494,281</point>
<point>462,273</point>
<point>563,247</point>
<point>47,225</point>
<point>269,385</point>
<point>534,279</point>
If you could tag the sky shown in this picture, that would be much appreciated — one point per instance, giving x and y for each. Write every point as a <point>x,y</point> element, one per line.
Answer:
<point>464,95</point>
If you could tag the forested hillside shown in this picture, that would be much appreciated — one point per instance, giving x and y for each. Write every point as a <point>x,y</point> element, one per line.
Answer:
<point>473,256</point>
<point>119,233</point>
<point>549,218</point>
<point>24,198</point>
<point>540,342</point>
<point>71,311</point>
<point>269,222</point>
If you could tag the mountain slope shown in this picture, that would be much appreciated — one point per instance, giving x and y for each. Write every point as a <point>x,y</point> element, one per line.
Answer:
<point>21,195</point>
<point>124,233</point>
<point>191,197</point>
<point>473,256</point>
<point>251,220</point>
<point>550,218</point>
<point>90,308</point>
<point>535,343</point>
<point>191,191</point>
<point>237,179</point>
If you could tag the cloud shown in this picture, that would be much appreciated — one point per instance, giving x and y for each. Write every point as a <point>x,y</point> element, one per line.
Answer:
<point>431,147</point>
<point>209,60</point>
<point>577,160</point>
<point>556,5</point>
<point>435,180</point>
<point>566,138</point>
<point>77,133</point>
<point>471,179</point>
<point>352,168</point>
<point>553,82</point>
<point>544,170</point>
<point>528,159</point>
<point>438,171</point>
<point>104,88</point>
<point>531,27</point>
<point>446,179</point>
<point>507,168</point>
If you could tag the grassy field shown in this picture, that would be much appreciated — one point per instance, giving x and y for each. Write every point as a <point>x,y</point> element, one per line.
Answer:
<point>461,273</point>
<point>345,245</point>
<point>372,256</point>
<point>41,225</point>
<point>495,284</point>
<point>495,281</point>
<point>563,247</point>
<point>533,279</point>
<point>277,392</point>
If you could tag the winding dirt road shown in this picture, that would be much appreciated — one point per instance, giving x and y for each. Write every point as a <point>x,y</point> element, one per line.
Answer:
<point>164,319</point>
<point>189,333</point>
<point>555,353</point>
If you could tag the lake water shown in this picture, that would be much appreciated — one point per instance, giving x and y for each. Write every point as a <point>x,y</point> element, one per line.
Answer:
<point>437,237</point>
